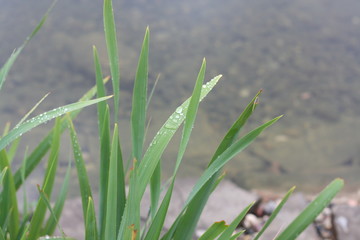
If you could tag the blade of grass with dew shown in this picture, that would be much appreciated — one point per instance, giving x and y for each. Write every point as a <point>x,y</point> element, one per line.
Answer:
<point>8,203</point>
<point>42,148</point>
<point>230,230</point>
<point>9,63</point>
<point>91,228</point>
<point>189,219</point>
<point>105,153</point>
<point>45,199</point>
<point>130,224</point>
<point>59,204</point>
<point>188,126</point>
<point>49,179</point>
<point>31,110</point>
<point>112,49</point>
<point>214,230</point>
<point>274,214</point>
<point>138,113</point>
<point>111,205</point>
<point>308,215</point>
<point>220,161</point>
<point>160,141</point>
<point>42,118</point>
<point>83,178</point>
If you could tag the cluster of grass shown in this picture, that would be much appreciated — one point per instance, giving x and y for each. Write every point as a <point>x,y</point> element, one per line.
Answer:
<point>119,211</point>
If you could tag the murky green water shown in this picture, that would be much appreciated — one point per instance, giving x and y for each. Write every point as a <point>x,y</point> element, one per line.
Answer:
<point>305,55</point>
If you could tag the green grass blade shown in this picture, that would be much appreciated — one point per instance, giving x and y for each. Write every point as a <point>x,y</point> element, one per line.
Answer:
<point>138,113</point>
<point>42,118</point>
<point>275,213</point>
<point>228,154</point>
<point>9,63</point>
<point>83,178</point>
<point>214,230</point>
<point>155,189</point>
<point>236,235</point>
<point>2,234</point>
<point>13,149</point>
<point>121,195</point>
<point>101,92</point>
<point>31,110</point>
<point>2,174</point>
<point>157,146</point>
<point>159,219</point>
<point>229,231</point>
<point>112,49</point>
<point>309,214</point>
<point>49,179</point>
<point>9,214</point>
<point>111,205</point>
<point>130,224</point>
<point>90,223</point>
<point>152,91</point>
<point>45,199</point>
<point>23,167</point>
<point>59,204</point>
<point>104,168</point>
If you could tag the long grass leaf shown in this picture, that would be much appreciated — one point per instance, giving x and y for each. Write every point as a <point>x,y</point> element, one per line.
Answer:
<point>59,204</point>
<point>274,213</point>
<point>83,178</point>
<point>138,113</point>
<point>43,118</point>
<point>9,214</point>
<point>31,110</point>
<point>112,49</point>
<point>9,63</point>
<point>111,205</point>
<point>228,154</point>
<point>121,195</point>
<point>46,200</point>
<point>157,146</point>
<point>130,223</point>
<point>39,152</point>
<point>90,222</point>
<point>159,219</point>
<point>155,189</point>
<point>2,234</point>
<point>189,219</point>
<point>2,174</point>
<point>229,231</point>
<point>308,215</point>
<point>49,179</point>
<point>214,230</point>
<point>104,168</point>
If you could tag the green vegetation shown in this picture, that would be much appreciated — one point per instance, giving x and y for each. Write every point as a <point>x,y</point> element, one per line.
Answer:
<point>119,212</point>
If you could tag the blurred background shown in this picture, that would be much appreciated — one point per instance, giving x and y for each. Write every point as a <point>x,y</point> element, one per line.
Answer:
<point>304,54</point>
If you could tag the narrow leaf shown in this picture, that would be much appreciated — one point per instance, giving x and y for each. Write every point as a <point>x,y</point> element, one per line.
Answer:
<point>111,206</point>
<point>90,222</point>
<point>42,118</point>
<point>309,214</point>
<point>275,213</point>
<point>213,231</point>
<point>138,113</point>
<point>112,49</point>
<point>229,231</point>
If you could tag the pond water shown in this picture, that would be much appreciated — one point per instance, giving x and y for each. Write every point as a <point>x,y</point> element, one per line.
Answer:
<point>305,55</point>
